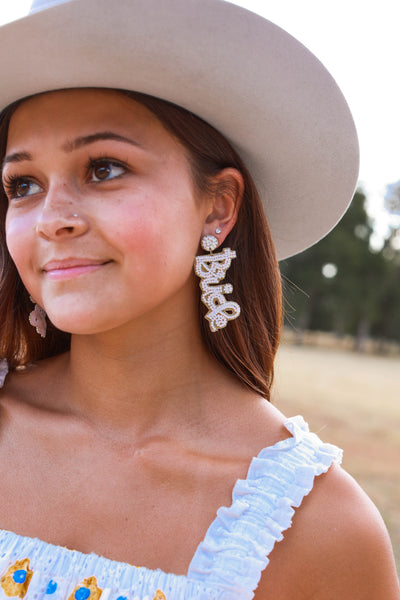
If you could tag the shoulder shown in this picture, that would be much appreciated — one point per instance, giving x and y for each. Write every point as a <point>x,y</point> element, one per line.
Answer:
<point>337,547</point>
<point>34,383</point>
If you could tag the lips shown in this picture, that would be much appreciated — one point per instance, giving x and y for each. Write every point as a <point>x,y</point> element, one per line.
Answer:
<point>72,267</point>
<point>70,263</point>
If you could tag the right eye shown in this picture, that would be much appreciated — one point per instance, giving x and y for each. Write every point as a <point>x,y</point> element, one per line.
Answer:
<point>20,187</point>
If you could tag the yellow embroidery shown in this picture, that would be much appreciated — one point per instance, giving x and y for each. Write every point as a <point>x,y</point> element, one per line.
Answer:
<point>159,595</point>
<point>16,581</point>
<point>93,591</point>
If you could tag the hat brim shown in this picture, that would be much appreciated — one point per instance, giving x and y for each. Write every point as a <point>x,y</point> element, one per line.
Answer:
<point>256,84</point>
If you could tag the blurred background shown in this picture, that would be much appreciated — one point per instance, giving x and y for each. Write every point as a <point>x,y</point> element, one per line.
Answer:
<point>339,362</point>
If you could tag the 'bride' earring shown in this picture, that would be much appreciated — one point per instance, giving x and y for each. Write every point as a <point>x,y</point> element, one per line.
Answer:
<point>37,318</point>
<point>211,268</point>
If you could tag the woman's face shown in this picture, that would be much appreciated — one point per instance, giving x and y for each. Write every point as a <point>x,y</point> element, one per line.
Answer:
<point>103,222</point>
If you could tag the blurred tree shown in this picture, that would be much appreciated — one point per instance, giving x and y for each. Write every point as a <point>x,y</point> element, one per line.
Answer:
<point>392,198</point>
<point>340,284</point>
<point>387,325</point>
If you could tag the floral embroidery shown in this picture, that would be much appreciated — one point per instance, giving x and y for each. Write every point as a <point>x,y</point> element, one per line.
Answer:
<point>159,595</point>
<point>16,581</point>
<point>51,587</point>
<point>87,590</point>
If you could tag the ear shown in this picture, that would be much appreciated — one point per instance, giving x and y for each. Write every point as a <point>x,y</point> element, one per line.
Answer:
<point>228,187</point>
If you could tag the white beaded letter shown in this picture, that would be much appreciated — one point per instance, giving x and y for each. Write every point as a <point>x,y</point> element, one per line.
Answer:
<point>211,268</point>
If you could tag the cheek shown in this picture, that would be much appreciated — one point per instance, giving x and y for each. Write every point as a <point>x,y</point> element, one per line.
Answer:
<point>145,242</point>
<point>20,244</point>
<point>129,227</point>
<point>157,248</point>
<point>18,237</point>
<point>155,227</point>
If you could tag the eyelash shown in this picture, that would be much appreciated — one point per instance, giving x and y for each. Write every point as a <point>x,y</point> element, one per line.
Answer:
<point>10,182</point>
<point>95,162</point>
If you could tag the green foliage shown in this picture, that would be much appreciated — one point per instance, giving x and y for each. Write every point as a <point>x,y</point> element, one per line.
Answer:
<point>362,298</point>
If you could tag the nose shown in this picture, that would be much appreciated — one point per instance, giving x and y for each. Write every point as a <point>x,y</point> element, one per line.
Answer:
<point>61,215</point>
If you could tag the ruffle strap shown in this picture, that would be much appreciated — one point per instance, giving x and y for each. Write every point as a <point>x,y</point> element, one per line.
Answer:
<point>236,547</point>
<point>3,371</point>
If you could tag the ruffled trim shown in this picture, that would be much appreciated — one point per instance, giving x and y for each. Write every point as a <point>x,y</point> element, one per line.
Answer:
<point>235,550</point>
<point>3,371</point>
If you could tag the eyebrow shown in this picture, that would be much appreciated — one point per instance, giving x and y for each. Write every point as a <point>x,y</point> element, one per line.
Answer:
<point>16,157</point>
<point>85,140</point>
<point>75,144</point>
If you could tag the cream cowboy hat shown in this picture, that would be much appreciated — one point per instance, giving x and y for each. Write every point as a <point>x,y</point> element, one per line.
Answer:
<point>251,80</point>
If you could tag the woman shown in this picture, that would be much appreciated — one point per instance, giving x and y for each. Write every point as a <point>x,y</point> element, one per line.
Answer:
<point>131,411</point>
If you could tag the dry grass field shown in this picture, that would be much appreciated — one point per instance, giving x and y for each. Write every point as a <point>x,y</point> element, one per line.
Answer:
<point>351,400</point>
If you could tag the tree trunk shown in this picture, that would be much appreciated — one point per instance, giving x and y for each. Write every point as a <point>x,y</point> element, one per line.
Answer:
<point>362,335</point>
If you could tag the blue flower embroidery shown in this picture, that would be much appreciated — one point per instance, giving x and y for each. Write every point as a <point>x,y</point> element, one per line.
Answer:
<point>51,587</point>
<point>19,576</point>
<point>82,593</point>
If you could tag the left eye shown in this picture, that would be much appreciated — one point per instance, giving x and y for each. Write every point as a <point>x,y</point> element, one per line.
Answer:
<point>102,170</point>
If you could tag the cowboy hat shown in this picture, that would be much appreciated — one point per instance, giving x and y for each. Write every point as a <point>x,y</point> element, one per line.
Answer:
<point>264,91</point>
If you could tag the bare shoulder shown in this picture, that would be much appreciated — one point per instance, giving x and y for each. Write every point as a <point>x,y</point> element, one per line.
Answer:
<point>337,547</point>
<point>35,385</point>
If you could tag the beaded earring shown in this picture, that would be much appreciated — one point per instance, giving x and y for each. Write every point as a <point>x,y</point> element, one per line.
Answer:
<point>37,318</point>
<point>211,268</point>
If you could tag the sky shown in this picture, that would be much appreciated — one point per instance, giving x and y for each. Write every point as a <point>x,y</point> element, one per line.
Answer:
<point>359,42</point>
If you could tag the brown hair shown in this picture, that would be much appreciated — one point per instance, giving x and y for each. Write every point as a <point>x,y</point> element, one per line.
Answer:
<point>247,346</point>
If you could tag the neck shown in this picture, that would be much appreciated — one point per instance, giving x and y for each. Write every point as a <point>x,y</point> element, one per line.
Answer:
<point>135,379</point>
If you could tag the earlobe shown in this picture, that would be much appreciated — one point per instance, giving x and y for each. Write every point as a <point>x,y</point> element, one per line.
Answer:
<point>228,194</point>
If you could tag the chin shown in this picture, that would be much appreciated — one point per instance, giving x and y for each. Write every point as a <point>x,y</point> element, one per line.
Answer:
<point>79,323</point>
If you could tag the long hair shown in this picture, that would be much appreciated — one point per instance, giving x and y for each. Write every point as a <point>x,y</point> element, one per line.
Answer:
<point>247,346</point>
